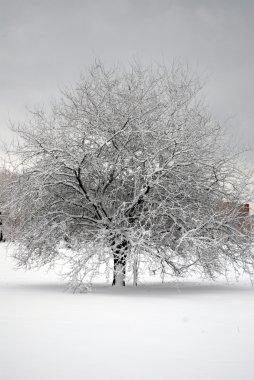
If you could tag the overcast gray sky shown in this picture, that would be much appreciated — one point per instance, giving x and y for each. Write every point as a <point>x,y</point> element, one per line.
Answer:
<point>45,45</point>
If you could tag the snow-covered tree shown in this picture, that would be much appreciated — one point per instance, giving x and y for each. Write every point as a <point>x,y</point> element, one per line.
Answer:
<point>5,178</point>
<point>128,165</point>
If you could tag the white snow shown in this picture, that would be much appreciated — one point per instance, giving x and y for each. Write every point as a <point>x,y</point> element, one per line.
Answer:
<point>182,330</point>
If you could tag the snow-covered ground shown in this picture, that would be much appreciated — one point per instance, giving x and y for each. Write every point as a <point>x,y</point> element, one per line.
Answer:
<point>184,330</point>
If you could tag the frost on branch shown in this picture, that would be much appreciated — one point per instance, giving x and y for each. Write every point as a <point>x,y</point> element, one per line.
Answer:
<point>128,167</point>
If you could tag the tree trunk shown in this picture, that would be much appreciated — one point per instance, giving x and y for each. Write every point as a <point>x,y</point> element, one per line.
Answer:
<point>120,255</point>
<point>135,272</point>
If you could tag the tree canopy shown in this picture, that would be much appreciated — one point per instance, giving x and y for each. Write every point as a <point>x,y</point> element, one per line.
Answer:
<point>129,166</point>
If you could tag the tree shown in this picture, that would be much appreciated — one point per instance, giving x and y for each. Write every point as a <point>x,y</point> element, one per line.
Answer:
<point>5,178</point>
<point>128,164</point>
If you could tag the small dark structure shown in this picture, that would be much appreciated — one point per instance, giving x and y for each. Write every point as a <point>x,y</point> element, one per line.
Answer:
<point>1,229</point>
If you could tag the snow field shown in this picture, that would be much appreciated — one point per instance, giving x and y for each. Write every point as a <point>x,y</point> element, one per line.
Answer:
<point>185,330</point>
